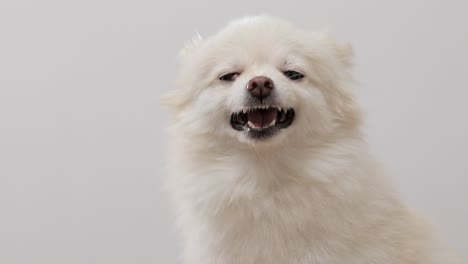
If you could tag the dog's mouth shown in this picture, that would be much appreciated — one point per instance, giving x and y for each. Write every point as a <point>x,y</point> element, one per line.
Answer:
<point>263,121</point>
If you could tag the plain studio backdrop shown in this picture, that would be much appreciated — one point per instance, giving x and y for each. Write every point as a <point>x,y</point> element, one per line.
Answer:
<point>82,133</point>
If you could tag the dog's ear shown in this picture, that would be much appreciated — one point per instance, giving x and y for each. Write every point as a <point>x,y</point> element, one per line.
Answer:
<point>345,53</point>
<point>176,98</point>
<point>168,99</point>
<point>191,45</point>
<point>342,50</point>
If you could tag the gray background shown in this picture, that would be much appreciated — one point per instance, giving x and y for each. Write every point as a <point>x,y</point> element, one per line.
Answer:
<point>82,132</point>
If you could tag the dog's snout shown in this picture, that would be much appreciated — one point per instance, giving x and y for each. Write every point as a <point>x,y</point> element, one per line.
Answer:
<point>260,87</point>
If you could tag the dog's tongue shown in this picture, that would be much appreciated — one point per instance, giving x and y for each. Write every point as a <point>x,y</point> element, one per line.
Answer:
<point>263,117</point>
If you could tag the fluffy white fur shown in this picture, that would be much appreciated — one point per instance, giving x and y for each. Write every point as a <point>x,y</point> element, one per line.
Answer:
<point>311,194</point>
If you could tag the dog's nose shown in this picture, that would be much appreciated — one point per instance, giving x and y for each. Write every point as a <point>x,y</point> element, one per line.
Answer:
<point>260,87</point>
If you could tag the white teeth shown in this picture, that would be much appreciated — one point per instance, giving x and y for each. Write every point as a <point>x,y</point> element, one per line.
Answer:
<point>263,107</point>
<point>273,122</point>
<point>250,124</point>
<point>282,117</point>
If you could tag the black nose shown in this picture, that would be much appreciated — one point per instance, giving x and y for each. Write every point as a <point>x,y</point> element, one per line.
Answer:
<point>260,87</point>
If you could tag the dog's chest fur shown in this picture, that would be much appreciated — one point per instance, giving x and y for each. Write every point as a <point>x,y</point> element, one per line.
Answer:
<point>312,212</point>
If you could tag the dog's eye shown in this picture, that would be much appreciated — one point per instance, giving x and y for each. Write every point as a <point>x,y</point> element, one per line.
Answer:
<point>293,75</point>
<point>229,77</point>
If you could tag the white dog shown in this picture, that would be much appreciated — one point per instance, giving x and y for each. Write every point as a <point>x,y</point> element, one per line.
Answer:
<point>268,164</point>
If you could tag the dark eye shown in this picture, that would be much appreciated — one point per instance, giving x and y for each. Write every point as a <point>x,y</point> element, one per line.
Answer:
<point>229,77</point>
<point>293,75</point>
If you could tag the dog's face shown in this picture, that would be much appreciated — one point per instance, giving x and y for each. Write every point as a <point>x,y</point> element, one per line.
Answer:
<point>263,81</point>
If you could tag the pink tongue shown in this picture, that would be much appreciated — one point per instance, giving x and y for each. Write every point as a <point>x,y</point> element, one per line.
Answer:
<point>262,118</point>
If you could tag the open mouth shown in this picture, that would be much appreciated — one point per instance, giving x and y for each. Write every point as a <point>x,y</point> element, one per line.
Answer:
<point>262,121</point>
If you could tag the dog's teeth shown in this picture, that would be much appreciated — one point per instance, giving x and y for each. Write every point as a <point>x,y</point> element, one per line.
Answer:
<point>273,122</point>
<point>282,117</point>
<point>250,124</point>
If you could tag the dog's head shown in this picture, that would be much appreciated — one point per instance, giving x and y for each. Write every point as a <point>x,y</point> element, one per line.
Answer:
<point>263,81</point>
